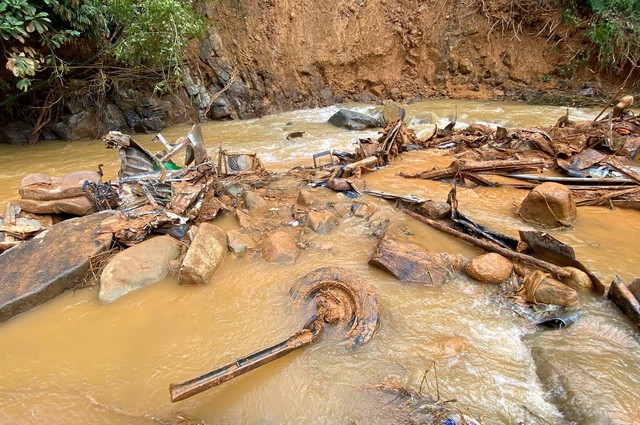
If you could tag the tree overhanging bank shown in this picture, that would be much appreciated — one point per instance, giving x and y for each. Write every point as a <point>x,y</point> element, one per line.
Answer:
<point>56,47</point>
<point>140,65</point>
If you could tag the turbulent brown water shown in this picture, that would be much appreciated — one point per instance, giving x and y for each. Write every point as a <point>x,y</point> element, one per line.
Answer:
<point>75,361</point>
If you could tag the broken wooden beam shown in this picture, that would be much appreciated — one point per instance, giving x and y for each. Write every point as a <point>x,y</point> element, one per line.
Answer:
<point>490,167</point>
<point>492,247</point>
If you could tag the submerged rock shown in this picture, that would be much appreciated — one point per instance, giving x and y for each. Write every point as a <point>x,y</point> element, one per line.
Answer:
<point>550,205</point>
<point>280,247</point>
<point>205,255</point>
<point>138,266</point>
<point>489,268</point>
<point>322,221</point>
<point>445,348</point>
<point>352,120</point>
<point>39,269</point>
<point>412,263</point>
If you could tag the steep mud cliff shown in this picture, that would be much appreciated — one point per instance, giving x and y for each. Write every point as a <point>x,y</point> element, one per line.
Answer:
<point>265,56</point>
<point>290,54</point>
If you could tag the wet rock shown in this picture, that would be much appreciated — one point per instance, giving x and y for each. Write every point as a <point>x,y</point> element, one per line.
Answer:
<point>280,247</point>
<point>364,209</point>
<point>82,125</point>
<point>392,112</point>
<point>489,268</point>
<point>113,120</point>
<point>445,348</point>
<point>432,209</point>
<point>550,205</point>
<point>239,241</point>
<point>138,266</point>
<point>352,120</point>
<point>625,300</point>
<point>205,255</point>
<point>322,221</point>
<point>327,96</point>
<point>541,288</point>
<point>244,219</point>
<point>252,200</point>
<point>306,198</point>
<point>565,387</point>
<point>634,288</point>
<point>75,206</point>
<point>578,280</point>
<point>39,269</point>
<point>15,133</point>
<point>410,262</point>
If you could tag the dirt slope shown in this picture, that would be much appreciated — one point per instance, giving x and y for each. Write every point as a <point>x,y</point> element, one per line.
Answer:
<point>298,53</point>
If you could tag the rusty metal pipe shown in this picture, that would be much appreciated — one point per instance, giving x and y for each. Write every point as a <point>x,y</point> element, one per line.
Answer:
<point>238,367</point>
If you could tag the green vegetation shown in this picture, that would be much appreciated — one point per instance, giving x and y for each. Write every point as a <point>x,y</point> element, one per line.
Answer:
<point>45,39</point>
<point>613,29</point>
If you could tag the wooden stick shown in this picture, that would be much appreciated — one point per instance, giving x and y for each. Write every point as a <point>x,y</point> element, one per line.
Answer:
<point>484,166</point>
<point>492,247</point>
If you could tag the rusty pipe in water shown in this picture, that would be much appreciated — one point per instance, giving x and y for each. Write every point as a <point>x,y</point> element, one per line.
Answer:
<point>238,367</point>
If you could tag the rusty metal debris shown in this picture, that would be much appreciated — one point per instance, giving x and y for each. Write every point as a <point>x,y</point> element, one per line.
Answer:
<point>329,295</point>
<point>235,163</point>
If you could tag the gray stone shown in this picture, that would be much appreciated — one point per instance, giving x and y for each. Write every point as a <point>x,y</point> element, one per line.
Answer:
<point>205,255</point>
<point>138,266</point>
<point>352,120</point>
<point>15,133</point>
<point>42,268</point>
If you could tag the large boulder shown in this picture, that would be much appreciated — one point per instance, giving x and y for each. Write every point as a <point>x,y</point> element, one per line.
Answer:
<point>138,266</point>
<point>412,263</point>
<point>489,268</point>
<point>550,205</point>
<point>39,269</point>
<point>352,120</point>
<point>205,255</point>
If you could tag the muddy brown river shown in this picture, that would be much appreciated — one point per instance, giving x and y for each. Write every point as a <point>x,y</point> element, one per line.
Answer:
<point>77,361</point>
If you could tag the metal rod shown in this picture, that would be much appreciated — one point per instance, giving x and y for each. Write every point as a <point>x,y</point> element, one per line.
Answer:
<point>243,365</point>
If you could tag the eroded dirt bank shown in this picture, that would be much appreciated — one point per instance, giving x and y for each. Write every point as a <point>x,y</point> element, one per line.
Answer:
<point>292,54</point>
<point>263,57</point>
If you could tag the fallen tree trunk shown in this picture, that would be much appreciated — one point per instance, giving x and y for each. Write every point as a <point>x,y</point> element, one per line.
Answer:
<point>492,247</point>
<point>491,167</point>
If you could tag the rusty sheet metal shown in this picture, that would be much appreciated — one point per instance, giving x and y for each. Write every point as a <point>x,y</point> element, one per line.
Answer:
<point>330,295</point>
